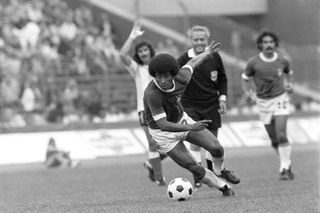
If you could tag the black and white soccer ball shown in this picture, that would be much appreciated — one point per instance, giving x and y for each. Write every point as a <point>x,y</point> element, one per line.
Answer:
<point>180,189</point>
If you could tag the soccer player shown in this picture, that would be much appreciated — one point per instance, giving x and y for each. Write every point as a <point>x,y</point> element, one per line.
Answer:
<point>56,157</point>
<point>273,80</point>
<point>138,69</point>
<point>169,125</point>
<point>205,97</point>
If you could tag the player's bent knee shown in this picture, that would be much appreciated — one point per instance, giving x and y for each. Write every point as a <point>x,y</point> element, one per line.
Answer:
<point>283,139</point>
<point>217,152</point>
<point>197,170</point>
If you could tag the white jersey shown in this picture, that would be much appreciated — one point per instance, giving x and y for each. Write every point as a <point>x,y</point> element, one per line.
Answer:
<point>141,76</point>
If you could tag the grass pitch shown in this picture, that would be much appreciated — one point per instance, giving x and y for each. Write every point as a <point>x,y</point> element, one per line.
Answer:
<point>120,184</point>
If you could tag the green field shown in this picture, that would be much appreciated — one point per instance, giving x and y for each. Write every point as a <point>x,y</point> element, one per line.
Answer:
<point>120,184</point>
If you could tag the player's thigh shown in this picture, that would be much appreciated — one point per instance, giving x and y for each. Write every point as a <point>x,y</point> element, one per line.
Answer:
<point>181,155</point>
<point>271,129</point>
<point>203,138</point>
<point>281,122</point>
<point>153,146</point>
<point>281,125</point>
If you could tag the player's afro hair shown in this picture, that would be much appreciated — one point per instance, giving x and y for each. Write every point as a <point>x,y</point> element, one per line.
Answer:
<point>265,33</point>
<point>163,63</point>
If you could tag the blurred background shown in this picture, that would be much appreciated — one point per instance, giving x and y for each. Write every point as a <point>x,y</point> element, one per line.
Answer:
<point>60,65</point>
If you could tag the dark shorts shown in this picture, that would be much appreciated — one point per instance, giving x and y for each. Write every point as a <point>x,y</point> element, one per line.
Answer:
<point>153,146</point>
<point>209,113</point>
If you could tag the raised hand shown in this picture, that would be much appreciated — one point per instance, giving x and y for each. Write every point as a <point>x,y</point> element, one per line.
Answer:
<point>136,30</point>
<point>213,47</point>
<point>200,125</point>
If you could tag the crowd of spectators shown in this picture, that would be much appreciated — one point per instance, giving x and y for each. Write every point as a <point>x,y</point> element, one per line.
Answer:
<point>42,42</point>
<point>45,46</point>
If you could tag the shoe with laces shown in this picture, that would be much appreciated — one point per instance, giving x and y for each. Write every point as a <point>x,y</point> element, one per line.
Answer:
<point>229,176</point>
<point>226,191</point>
<point>147,165</point>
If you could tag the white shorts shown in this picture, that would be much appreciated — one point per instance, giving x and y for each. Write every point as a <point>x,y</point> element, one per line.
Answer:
<point>273,107</point>
<point>168,140</point>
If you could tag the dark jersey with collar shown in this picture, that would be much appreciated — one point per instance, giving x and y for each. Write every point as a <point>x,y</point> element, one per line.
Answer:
<point>165,104</point>
<point>208,81</point>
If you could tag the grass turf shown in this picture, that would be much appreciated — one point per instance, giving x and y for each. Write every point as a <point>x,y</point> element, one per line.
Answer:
<point>120,184</point>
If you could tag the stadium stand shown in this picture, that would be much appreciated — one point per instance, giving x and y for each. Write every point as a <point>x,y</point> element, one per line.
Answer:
<point>47,44</point>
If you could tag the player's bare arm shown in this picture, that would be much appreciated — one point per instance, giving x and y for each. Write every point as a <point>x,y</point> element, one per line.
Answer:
<point>135,33</point>
<point>288,81</point>
<point>165,125</point>
<point>212,48</point>
<point>197,60</point>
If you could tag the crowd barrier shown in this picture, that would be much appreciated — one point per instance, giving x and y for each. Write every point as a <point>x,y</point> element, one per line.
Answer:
<point>30,147</point>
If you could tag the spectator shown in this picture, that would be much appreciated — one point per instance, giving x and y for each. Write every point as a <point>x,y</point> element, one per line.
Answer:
<point>53,103</point>
<point>70,97</point>
<point>95,107</point>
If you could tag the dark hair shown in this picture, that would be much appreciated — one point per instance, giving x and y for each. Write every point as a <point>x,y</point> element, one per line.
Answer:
<point>265,33</point>
<point>163,63</point>
<point>138,46</point>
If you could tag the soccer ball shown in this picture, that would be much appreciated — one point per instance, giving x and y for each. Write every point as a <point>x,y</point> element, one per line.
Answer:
<point>180,189</point>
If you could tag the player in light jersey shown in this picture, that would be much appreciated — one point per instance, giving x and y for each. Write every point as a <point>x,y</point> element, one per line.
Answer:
<point>273,80</point>
<point>169,125</point>
<point>138,69</point>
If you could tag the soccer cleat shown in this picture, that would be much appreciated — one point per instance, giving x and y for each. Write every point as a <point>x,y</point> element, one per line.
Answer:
<point>229,176</point>
<point>147,165</point>
<point>196,186</point>
<point>161,182</point>
<point>284,174</point>
<point>226,191</point>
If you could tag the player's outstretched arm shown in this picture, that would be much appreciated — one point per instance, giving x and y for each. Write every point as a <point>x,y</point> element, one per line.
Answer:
<point>125,49</point>
<point>212,48</point>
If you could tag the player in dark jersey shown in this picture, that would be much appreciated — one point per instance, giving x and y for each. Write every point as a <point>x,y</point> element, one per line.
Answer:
<point>273,80</point>
<point>205,96</point>
<point>169,125</point>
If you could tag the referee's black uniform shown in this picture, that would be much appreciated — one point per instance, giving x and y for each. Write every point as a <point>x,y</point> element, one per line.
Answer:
<point>201,97</point>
